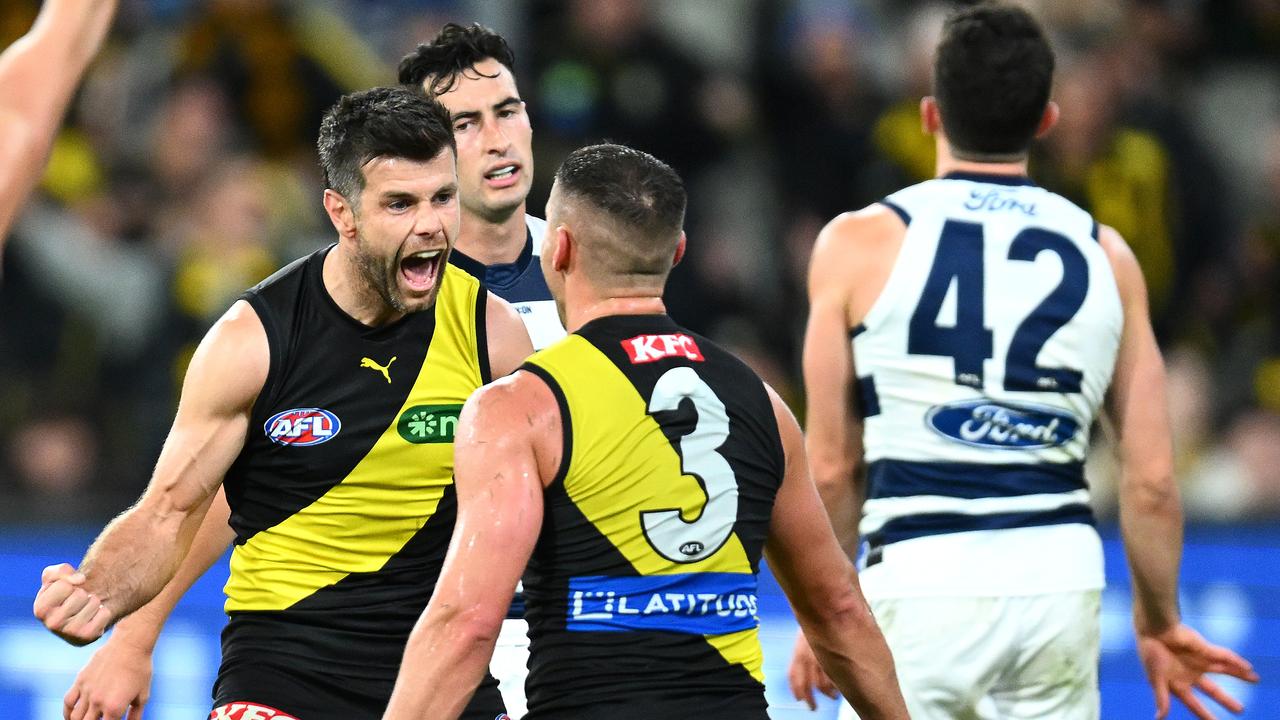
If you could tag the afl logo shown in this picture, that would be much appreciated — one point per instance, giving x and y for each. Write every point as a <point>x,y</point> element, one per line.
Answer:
<point>1003,426</point>
<point>692,548</point>
<point>301,427</point>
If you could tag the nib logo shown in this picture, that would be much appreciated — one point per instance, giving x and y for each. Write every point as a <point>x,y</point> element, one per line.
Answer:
<point>423,424</point>
<point>248,711</point>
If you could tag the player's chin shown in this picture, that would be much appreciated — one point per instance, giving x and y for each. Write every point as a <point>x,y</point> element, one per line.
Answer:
<point>416,300</point>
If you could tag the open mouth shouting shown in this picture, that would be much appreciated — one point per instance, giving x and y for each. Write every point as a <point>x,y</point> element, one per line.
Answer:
<point>420,271</point>
<point>502,176</point>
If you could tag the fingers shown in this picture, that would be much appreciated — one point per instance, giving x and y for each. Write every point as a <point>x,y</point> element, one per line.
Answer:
<point>1183,693</point>
<point>1162,697</point>
<point>69,701</point>
<point>801,688</point>
<point>824,683</point>
<point>1224,661</point>
<point>1220,696</point>
<point>61,571</point>
<point>62,604</point>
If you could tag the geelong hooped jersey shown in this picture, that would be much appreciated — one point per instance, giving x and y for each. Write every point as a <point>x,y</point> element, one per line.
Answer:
<point>522,284</point>
<point>641,590</point>
<point>981,368</point>
<point>342,498</point>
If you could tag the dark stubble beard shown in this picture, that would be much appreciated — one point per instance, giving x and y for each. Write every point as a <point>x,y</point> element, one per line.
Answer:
<point>378,276</point>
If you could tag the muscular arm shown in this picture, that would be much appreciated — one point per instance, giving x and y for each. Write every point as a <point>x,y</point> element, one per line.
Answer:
<point>508,338</point>
<point>1175,657</point>
<point>38,74</point>
<point>140,551</point>
<point>849,267</point>
<point>822,585</point>
<point>505,454</point>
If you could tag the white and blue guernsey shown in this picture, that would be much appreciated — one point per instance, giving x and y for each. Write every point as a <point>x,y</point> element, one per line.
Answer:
<point>521,283</point>
<point>981,368</point>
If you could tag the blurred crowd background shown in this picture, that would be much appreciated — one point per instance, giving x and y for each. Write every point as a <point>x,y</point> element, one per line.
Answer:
<point>187,173</point>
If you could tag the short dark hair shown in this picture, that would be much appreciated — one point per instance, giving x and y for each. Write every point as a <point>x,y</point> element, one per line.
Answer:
<point>380,122</point>
<point>640,194</point>
<point>991,77</point>
<point>455,49</point>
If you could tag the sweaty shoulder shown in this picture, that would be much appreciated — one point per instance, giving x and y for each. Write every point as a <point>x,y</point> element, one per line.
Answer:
<point>519,408</point>
<point>232,360</point>
<point>854,255</point>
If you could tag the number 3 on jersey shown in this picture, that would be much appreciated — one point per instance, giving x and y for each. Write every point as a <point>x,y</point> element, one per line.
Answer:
<point>675,538</point>
<point>959,259</point>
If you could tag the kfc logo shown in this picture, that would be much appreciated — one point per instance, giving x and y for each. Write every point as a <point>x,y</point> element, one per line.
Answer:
<point>248,711</point>
<point>648,348</point>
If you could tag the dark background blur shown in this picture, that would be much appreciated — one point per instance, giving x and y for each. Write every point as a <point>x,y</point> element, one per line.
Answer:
<point>187,173</point>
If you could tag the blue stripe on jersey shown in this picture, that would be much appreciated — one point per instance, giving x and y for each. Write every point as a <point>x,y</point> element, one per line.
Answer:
<point>906,478</point>
<point>857,330</point>
<point>868,399</point>
<point>906,217</point>
<point>992,178</point>
<point>916,526</point>
<point>692,603</point>
<point>517,282</point>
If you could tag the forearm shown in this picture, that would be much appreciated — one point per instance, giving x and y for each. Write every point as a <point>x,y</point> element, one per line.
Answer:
<point>142,627</point>
<point>1151,522</point>
<point>841,496</point>
<point>138,554</point>
<point>444,662</point>
<point>849,645</point>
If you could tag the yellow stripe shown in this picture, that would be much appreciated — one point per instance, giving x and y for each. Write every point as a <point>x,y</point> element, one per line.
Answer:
<point>367,518</point>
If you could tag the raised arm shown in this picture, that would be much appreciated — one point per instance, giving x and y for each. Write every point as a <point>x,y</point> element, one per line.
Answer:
<point>38,74</point>
<point>822,585</point>
<point>1175,656</point>
<point>140,551</point>
<point>117,679</point>
<point>508,338</point>
<point>506,452</point>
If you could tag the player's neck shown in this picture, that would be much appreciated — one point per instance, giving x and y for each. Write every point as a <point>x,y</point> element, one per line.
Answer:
<point>492,242</point>
<point>587,308</point>
<point>351,292</point>
<point>948,163</point>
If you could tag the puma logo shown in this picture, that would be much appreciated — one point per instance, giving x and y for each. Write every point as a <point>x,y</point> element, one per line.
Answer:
<point>373,365</point>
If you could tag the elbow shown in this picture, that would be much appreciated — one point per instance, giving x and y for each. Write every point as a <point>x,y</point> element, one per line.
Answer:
<point>1150,490</point>
<point>833,478</point>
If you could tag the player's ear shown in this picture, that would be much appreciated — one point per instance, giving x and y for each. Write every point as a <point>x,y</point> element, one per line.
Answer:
<point>680,247</point>
<point>340,212</point>
<point>930,116</point>
<point>563,250</point>
<point>1050,118</point>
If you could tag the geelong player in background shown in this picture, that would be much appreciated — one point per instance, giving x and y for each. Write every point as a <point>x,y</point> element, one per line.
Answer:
<point>468,69</point>
<point>38,74</point>
<point>640,471</point>
<point>983,323</point>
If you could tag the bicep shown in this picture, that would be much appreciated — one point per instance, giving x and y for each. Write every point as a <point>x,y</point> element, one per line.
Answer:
<point>508,338</point>
<point>226,373</point>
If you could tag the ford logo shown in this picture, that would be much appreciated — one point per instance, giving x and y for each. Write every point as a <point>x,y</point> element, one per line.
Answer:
<point>1003,426</point>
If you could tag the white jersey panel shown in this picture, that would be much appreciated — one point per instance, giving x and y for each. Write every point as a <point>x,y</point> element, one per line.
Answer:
<point>981,368</point>
<point>1044,292</point>
<point>540,316</point>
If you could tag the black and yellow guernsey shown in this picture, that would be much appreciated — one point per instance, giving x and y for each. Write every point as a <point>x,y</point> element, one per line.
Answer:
<point>641,590</point>
<point>342,499</point>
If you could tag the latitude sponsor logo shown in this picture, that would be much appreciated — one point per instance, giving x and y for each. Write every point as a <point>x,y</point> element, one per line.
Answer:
<point>423,424</point>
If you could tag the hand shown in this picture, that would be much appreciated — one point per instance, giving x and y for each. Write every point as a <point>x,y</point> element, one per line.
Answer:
<point>1177,660</point>
<point>67,609</point>
<point>805,674</point>
<point>115,684</point>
